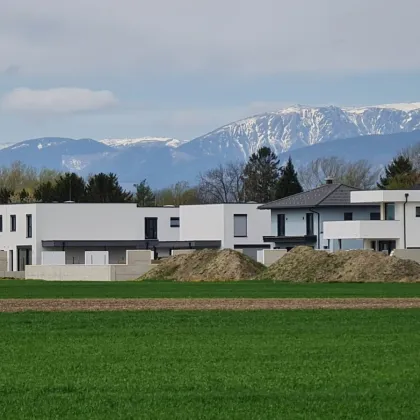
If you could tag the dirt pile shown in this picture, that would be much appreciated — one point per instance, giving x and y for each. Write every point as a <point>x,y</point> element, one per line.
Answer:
<point>206,265</point>
<point>303,264</point>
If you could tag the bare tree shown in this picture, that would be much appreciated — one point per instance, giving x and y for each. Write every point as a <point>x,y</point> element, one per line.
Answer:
<point>359,174</point>
<point>224,184</point>
<point>177,194</point>
<point>413,154</point>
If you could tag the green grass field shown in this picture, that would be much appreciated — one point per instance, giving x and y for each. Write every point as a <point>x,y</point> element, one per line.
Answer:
<point>210,365</point>
<point>160,289</point>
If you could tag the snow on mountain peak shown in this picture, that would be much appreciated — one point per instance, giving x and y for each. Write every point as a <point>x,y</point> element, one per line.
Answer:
<point>129,142</point>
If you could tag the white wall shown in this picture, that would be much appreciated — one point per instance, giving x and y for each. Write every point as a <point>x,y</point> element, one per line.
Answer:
<point>202,222</point>
<point>258,225</point>
<point>10,240</point>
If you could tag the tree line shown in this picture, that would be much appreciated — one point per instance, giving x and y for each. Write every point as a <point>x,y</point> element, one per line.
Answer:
<point>261,179</point>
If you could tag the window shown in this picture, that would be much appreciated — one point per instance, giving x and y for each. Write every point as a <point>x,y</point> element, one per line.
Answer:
<point>150,228</point>
<point>1,223</point>
<point>348,216</point>
<point>13,223</point>
<point>281,225</point>
<point>174,222</point>
<point>29,225</point>
<point>309,224</point>
<point>11,260</point>
<point>417,211</point>
<point>240,222</point>
<point>375,216</point>
<point>389,211</point>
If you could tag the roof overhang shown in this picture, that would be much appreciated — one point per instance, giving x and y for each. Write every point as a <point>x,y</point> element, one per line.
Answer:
<point>307,239</point>
<point>143,244</point>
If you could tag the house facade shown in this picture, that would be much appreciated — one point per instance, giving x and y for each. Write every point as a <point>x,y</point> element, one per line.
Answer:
<point>299,219</point>
<point>26,230</point>
<point>397,228</point>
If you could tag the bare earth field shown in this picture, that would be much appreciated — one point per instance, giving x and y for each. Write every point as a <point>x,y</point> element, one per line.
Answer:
<point>63,305</point>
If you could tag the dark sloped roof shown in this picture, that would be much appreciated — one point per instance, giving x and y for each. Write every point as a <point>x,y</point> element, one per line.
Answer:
<point>327,195</point>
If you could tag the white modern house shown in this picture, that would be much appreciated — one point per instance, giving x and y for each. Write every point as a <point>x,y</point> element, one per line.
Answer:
<point>299,219</point>
<point>398,227</point>
<point>26,230</point>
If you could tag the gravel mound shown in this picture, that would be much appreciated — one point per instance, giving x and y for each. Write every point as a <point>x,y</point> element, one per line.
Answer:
<point>206,265</point>
<point>303,264</point>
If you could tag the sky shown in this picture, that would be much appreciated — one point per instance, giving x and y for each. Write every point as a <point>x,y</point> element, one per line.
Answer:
<point>180,68</point>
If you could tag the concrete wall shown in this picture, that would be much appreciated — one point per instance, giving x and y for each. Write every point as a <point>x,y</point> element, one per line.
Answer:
<point>118,272</point>
<point>68,272</point>
<point>136,257</point>
<point>408,254</point>
<point>270,256</point>
<point>176,252</point>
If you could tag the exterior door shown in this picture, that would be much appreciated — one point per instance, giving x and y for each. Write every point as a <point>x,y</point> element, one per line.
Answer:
<point>309,224</point>
<point>150,228</point>
<point>24,255</point>
<point>386,246</point>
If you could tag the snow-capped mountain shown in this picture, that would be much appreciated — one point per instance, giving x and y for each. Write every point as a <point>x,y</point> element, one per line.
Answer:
<point>142,141</point>
<point>374,133</point>
<point>300,126</point>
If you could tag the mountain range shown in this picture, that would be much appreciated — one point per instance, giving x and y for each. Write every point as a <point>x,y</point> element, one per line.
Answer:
<point>305,133</point>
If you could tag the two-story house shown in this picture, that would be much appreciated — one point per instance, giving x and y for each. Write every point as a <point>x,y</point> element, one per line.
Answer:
<point>298,219</point>
<point>398,226</point>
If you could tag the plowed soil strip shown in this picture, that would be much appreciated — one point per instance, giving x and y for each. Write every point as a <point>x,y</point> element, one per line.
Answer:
<point>20,305</point>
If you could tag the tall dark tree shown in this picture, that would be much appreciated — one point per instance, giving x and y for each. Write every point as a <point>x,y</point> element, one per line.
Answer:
<point>69,187</point>
<point>288,184</point>
<point>6,195</point>
<point>45,192</point>
<point>261,175</point>
<point>105,188</point>
<point>400,166</point>
<point>24,196</point>
<point>144,195</point>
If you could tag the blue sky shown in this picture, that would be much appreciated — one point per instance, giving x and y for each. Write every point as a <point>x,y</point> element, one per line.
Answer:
<point>133,68</point>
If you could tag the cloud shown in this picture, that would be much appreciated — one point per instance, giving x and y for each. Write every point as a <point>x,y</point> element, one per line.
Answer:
<point>60,100</point>
<point>240,37</point>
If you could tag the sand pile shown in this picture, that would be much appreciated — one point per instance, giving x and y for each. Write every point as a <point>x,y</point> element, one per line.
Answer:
<point>206,265</point>
<point>303,264</point>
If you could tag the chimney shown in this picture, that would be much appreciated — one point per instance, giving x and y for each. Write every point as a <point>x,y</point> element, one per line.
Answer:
<point>329,180</point>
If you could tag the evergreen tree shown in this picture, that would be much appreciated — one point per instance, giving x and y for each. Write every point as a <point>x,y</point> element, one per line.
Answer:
<point>45,192</point>
<point>105,188</point>
<point>24,196</point>
<point>144,195</point>
<point>401,165</point>
<point>261,174</point>
<point>6,195</point>
<point>288,184</point>
<point>69,187</point>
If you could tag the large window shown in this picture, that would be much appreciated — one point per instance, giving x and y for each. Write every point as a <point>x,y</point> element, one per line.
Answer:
<point>240,222</point>
<point>13,223</point>
<point>29,225</point>
<point>389,211</point>
<point>348,216</point>
<point>281,225</point>
<point>309,224</point>
<point>150,228</point>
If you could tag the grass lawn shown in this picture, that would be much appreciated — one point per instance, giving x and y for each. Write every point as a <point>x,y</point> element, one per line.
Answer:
<point>162,289</point>
<point>210,365</point>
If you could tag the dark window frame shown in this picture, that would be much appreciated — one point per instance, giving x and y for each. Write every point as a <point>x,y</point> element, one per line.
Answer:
<point>348,216</point>
<point>147,231</point>
<point>176,221</point>
<point>1,223</point>
<point>29,225</point>
<point>246,226</point>
<point>310,226</point>
<point>417,211</point>
<point>281,225</point>
<point>13,224</point>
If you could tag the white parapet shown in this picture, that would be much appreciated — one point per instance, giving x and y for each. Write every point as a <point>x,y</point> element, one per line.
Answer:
<point>53,258</point>
<point>363,229</point>
<point>96,257</point>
